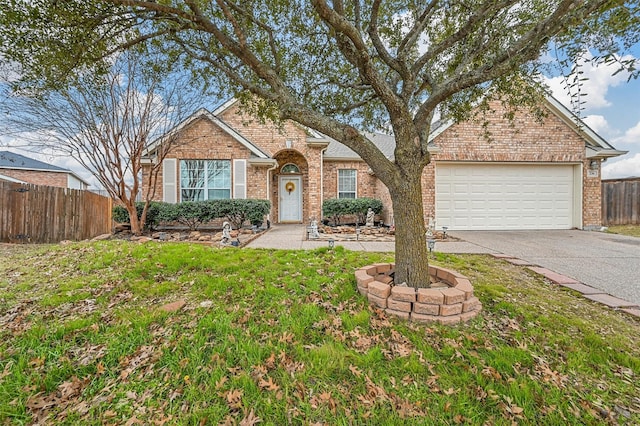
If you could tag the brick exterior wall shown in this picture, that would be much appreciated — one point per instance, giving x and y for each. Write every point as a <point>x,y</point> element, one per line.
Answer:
<point>522,140</point>
<point>38,177</point>
<point>591,197</point>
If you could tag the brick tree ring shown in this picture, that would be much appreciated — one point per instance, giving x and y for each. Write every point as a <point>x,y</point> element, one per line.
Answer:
<point>451,303</point>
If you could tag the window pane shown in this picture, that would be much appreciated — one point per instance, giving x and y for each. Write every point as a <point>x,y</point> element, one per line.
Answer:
<point>192,174</point>
<point>192,195</point>
<point>290,168</point>
<point>219,174</point>
<point>346,183</point>
<point>215,194</point>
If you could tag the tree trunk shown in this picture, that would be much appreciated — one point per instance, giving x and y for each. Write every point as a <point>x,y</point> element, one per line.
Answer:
<point>134,221</point>
<point>412,263</point>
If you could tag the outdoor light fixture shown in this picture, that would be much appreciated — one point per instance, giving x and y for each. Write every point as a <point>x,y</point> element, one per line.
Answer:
<point>444,231</point>
<point>431,243</point>
<point>332,243</point>
<point>357,234</point>
<point>593,165</point>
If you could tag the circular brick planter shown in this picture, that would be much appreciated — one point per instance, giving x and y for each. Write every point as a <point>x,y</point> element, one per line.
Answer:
<point>447,305</point>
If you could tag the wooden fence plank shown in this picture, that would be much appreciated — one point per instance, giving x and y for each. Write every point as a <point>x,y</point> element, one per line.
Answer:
<point>46,214</point>
<point>621,202</point>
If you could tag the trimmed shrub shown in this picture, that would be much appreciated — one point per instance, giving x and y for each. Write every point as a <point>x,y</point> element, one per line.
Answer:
<point>194,213</point>
<point>240,211</point>
<point>154,213</point>
<point>336,208</point>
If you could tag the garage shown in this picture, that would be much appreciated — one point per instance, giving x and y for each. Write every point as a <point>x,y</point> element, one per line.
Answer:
<point>476,196</point>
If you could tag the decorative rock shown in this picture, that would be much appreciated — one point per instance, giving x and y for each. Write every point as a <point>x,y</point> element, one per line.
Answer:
<point>466,316</point>
<point>206,304</point>
<point>453,295</point>
<point>452,320</point>
<point>398,306</point>
<point>426,309</point>
<point>379,289</point>
<point>448,310</point>
<point>385,279</point>
<point>423,318</point>
<point>380,302</point>
<point>371,270</point>
<point>399,314</point>
<point>465,285</point>
<point>403,294</point>
<point>363,278</point>
<point>430,295</point>
<point>381,268</point>
<point>101,237</point>
<point>173,307</point>
<point>471,304</point>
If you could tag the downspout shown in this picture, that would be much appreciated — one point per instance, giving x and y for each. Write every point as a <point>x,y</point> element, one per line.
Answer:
<point>269,170</point>
<point>322,180</point>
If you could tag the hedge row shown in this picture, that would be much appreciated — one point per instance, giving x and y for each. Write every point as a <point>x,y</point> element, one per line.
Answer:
<point>336,208</point>
<point>195,213</point>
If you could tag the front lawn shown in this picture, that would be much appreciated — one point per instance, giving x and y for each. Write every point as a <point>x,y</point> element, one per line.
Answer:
<point>631,230</point>
<point>282,337</point>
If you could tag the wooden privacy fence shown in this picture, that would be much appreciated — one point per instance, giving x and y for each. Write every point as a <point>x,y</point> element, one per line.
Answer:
<point>47,214</point>
<point>621,201</point>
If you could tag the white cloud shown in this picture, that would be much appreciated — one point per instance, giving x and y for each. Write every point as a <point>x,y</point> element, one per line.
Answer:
<point>598,123</point>
<point>599,79</point>
<point>627,167</point>
<point>631,136</point>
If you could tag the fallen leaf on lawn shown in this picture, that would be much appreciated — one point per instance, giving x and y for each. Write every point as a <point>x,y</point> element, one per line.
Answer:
<point>234,398</point>
<point>268,384</point>
<point>355,370</point>
<point>250,419</point>
<point>220,383</point>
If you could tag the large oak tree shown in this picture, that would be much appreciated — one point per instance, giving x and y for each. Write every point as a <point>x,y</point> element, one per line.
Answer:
<point>336,66</point>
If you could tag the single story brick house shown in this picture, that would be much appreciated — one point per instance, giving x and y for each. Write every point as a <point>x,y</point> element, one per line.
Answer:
<point>529,174</point>
<point>20,169</point>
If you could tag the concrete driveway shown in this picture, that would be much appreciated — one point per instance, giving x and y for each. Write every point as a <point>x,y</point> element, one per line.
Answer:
<point>607,262</point>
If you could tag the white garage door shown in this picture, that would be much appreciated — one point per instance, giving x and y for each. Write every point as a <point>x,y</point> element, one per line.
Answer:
<point>504,196</point>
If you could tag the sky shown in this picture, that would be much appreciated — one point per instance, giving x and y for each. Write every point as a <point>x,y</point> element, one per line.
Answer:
<point>611,109</point>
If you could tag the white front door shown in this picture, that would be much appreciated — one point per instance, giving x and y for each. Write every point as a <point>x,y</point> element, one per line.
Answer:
<point>290,199</point>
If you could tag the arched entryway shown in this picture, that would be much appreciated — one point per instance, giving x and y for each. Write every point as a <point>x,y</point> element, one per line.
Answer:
<point>290,183</point>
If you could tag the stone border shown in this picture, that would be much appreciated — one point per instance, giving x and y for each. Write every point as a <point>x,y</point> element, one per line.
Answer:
<point>447,305</point>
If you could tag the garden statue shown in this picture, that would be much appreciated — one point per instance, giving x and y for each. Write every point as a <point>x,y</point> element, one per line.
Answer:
<point>370,217</point>
<point>313,229</point>
<point>226,233</point>
<point>431,228</point>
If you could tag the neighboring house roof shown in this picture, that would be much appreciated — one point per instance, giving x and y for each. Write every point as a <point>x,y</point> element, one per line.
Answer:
<point>11,160</point>
<point>204,113</point>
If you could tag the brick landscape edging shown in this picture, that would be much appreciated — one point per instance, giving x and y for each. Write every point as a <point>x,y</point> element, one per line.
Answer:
<point>447,305</point>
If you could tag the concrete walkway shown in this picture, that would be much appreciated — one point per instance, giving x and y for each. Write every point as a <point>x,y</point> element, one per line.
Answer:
<point>294,237</point>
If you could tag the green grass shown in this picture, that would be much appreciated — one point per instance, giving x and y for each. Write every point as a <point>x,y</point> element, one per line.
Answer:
<point>630,230</point>
<point>283,336</point>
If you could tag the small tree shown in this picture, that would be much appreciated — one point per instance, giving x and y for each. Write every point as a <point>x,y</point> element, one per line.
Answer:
<point>106,122</point>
